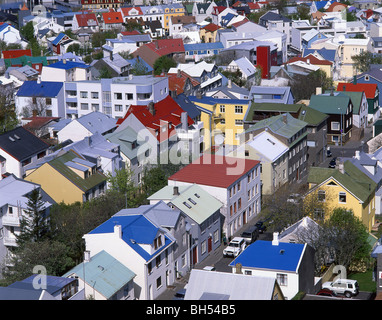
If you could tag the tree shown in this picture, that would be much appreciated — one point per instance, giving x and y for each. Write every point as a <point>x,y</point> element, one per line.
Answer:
<point>163,63</point>
<point>363,61</point>
<point>304,86</point>
<point>139,68</point>
<point>8,116</point>
<point>75,47</point>
<point>27,31</point>
<point>303,11</point>
<point>34,226</point>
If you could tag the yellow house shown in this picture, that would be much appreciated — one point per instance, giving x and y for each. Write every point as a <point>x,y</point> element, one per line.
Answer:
<point>172,10</point>
<point>347,187</point>
<point>222,118</point>
<point>208,33</point>
<point>68,178</point>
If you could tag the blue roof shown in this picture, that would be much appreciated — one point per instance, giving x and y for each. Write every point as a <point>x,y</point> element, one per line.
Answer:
<point>68,65</point>
<point>136,229</point>
<point>132,62</point>
<point>327,54</point>
<point>43,89</point>
<point>263,255</point>
<point>54,284</point>
<point>203,46</point>
<point>58,38</point>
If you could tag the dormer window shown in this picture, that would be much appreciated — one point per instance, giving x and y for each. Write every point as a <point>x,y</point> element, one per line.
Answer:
<point>157,242</point>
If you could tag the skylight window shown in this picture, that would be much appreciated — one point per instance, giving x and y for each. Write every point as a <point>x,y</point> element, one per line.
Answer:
<point>192,201</point>
<point>187,205</point>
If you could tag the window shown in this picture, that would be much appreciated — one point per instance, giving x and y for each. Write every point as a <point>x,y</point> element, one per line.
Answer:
<point>238,109</point>
<point>238,122</point>
<point>129,96</point>
<point>157,242</point>
<point>118,95</point>
<point>118,108</point>
<point>84,94</point>
<point>158,261</point>
<point>282,279</point>
<point>149,267</point>
<point>84,106</point>
<point>335,125</point>
<point>94,95</point>
<point>321,195</point>
<point>222,108</point>
<point>342,197</point>
<point>216,236</point>
<point>159,282</point>
<point>95,106</point>
<point>204,248</point>
<point>48,101</point>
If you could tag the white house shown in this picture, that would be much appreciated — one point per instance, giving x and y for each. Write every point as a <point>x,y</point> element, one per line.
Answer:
<point>10,35</point>
<point>234,182</point>
<point>292,264</point>
<point>65,70</point>
<point>142,246</point>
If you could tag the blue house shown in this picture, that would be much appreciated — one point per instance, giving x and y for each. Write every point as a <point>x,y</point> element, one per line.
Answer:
<point>310,37</point>
<point>269,94</point>
<point>197,51</point>
<point>292,264</point>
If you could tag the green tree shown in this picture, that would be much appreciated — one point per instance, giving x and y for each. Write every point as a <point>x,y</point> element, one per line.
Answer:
<point>303,11</point>
<point>34,226</point>
<point>75,47</point>
<point>28,31</point>
<point>163,63</point>
<point>363,61</point>
<point>139,68</point>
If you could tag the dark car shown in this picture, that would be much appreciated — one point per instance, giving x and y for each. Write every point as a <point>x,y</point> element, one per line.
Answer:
<point>261,226</point>
<point>332,163</point>
<point>326,293</point>
<point>180,295</point>
<point>328,153</point>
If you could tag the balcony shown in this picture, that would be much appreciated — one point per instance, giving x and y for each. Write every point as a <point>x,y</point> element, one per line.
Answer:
<point>10,241</point>
<point>11,220</point>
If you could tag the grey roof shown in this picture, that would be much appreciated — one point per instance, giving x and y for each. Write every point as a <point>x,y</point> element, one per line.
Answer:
<point>187,105</point>
<point>228,286</point>
<point>272,16</point>
<point>9,293</point>
<point>97,122</point>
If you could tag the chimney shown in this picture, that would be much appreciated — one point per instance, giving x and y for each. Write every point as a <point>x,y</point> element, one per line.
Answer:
<point>184,121</point>
<point>285,118</point>
<point>176,191</point>
<point>318,90</point>
<point>179,74</point>
<point>87,256</point>
<point>229,85</point>
<point>152,108</point>
<point>39,79</point>
<point>341,167</point>
<point>118,231</point>
<point>344,88</point>
<point>64,61</point>
<point>357,155</point>
<point>354,79</point>
<point>275,241</point>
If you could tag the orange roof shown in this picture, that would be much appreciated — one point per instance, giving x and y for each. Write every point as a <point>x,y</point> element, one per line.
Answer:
<point>336,7</point>
<point>126,11</point>
<point>253,5</point>
<point>368,88</point>
<point>112,17</point>
<point>176,82</point>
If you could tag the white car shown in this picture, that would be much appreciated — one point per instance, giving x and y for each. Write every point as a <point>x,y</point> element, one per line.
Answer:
<point>235,247</point>
<point>346,287</point>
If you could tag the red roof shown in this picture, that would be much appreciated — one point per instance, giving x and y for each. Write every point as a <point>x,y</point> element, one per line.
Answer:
<point>130,33</point>
<point>237,24</point>
<point>86,19</point>
<point>368,88</point>
<point>212,27</point>
<point>16,53</point>
<point>166,111</point>
<point>166,46</point>
<point>253,5</point>
<point>215,170</point>
<point>112,17</point>
<point>126,11</point>
<point>218,9</point>
<point>312,60</point>
<point>176,82</point>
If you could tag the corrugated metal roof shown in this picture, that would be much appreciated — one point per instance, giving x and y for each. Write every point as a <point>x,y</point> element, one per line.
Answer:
<point>103,272</point>
<point>228,286</point>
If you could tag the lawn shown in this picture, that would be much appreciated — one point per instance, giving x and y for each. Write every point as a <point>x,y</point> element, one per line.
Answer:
<point>365,281</point>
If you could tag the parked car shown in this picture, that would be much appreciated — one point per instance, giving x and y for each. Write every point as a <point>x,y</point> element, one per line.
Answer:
<point>346,287</point>
<point>179,295</point>
<point>251,234</point>
<point>294,198</point>
<point>235,247</point>
<point>326,293</point>
<point>261,226</point>
<point>332,163</point>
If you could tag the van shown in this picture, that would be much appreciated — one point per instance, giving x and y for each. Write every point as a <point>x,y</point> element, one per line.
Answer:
<point>251,234</point>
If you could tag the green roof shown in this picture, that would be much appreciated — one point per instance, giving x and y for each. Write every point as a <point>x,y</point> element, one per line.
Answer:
<point>83,184</point>
<point>336,104</point>
<point>311,116</point>
<point>104,273</point>
<point>356,99</point>
<point>277,125</point>
<point>125,139</point>
<point>353,179</point>
<point>25,60</point>
<point>201,206</point>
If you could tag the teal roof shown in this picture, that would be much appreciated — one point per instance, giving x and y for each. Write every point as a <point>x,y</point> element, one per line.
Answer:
<point>125,139</point>
<point>330,104</point>
<point>103,272</point>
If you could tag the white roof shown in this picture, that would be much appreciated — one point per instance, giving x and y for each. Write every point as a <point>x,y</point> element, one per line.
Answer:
<point>193,69</point>
<point>268,145</point>
<point>214,285</point>
<point>245,66</point>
